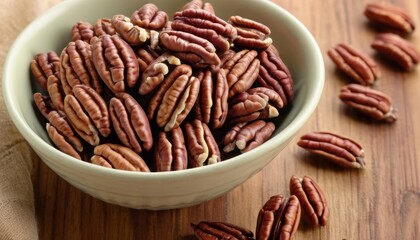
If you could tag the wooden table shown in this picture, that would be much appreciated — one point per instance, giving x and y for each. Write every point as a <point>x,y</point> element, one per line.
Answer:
<point>381,201</point>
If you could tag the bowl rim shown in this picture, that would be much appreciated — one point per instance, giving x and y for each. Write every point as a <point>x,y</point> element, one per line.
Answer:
<point>31,137</point>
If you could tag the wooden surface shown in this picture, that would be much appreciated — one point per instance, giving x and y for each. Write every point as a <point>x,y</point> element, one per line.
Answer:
<point>381,201</point>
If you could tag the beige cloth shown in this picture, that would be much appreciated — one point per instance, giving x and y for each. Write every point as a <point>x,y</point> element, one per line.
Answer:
<point>17,211</point>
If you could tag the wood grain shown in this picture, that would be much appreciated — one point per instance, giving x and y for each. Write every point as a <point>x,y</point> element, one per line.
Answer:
<point>381,201</point>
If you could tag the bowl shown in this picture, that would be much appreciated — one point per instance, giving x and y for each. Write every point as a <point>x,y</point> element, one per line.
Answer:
<point>160,190</point>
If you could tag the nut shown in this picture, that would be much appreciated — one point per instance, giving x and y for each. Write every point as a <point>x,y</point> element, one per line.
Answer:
<point>373,103</point>
<point>134,35</point>
<point>251,34</point>
<point>202,147</point>
<point>221,230</point>
<point>247,135</point>
<point>145,56</point>
<point>149,17</point>
<point>279,218</point>
<point>82,31</point>
<point>397,50</point>
<point>130,122</point>
<point>60,126</point>
<point>170,151</point>
<point>43,103</point>
<point>55,92</point>
<point>356,64</point>
<point>118,157</point>
<point>60,141</point>
<point>311,198</point>
<point>198,4</point>
<point>77,67</point>
<point>390,17</point>
<point>340,150</point>
<point>44,65</point>
<point>115,62</point>
<point>103,26</point>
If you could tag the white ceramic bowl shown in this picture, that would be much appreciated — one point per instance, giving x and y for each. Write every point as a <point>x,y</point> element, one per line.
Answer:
<point>166,189</point>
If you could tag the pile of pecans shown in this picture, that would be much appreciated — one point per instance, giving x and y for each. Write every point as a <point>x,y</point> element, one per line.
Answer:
<point>132,93</point>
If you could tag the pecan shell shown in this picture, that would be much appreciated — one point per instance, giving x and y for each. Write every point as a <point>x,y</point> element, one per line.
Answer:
<point>44,65</point>
<point>373,103</point>
<point>221,230</point>
<point>82,31</point>
<point>355,64</point>
<point>118,157</point>
<point>397,50</point>
<point>251,34</point>
<point>170,151</point>
<point>149,17</point>
<point>340,150</point>
<point>130,122</point>
<point>279,218</point>
<point>103,26</point>
<point>311,198</point>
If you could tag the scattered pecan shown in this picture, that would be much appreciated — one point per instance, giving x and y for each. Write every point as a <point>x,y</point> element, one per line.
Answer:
<point>43,103</point>
<point>397,50</point>
<point>274,74</point>
<point>82,31</point>
<point>134,35</point>
<point>241,71</point>
<point>44,65</point>
<point>55,92</point>
<point>202,147</point>
<point>390,17</point>
<point>149,17</point>
<point>311,198</point>
<point>77,67</point>
<point>356,64</point>
<point>340,150</point>
<point>60,124</point>
<point>170,151</point>
<point>130,122</point>
<point>103,26</point>
<point>221,230</point>
<point>118,157</point>
<point>279,218</point>
<point>198,4</point>
<point>373,103</point>
<point>60,141</point>
<point>251,34</point>
<point>115,62</point>
<point>247,135</point>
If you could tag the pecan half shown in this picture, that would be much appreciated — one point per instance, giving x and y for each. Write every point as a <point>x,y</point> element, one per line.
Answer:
<point>279,218</point>
<point>130,122</point>
<point>221,230</point>
<point>118,157</point>
<point>44,65</point>
<point>170,151</point>
<point>373,103</point>
<point>241,71</point>
<point>198,4</point>
<point>115,62</point>
<point>43,103</point>
<point>103,26</point>
<point>311,198</point>
<point>145,56</point>
<point>251,34</point>
<point>55,92</point>
<point>60,141</point>
<point>211,106</point>
<point>62,127</point>
<point>82,31</point>
<point>397,50</point>
<point>134,35</point>
<point>340,150</point>
<point>390,17</point>
<point>202,147</point>
<point>247,135</point>
<point>149,17</point>
<point>356,64</point>
<point>77,67</point>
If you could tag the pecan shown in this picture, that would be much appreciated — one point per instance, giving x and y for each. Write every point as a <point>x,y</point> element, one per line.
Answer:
<point>221,230</point>
<point>134,35</point>
<point>340,150</point>
<point>103,26</point>
<point>373,103</point>
<point>118,157</point>
<point>61,143</point>
<point>44,65</point>
<point>145,56</point>
<point>274,74</point>
<point>397,50</point>
<point>82,31</point>
<point>202,147</point>
<point>61,126</point>
<point>55,92</point>
<point>279,218</point>
<point>77,67</point>
<point>155,72</point>
<point>356,64</point>
<point>211,106</point>
<point>130,122</point>
<point>311,198</point>
<point>241,71</point>
<point>251,34</point>
<point>43,103</point>
<point>149,17</point>
<point>390,17</point>
<point>198,4</point>
<point>191,49</point>
<point>247,135</point>
<point>115,62</point>
<point>170,151</point>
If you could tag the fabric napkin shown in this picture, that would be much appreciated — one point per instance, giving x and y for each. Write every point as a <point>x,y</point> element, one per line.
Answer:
<point>17,211</point>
